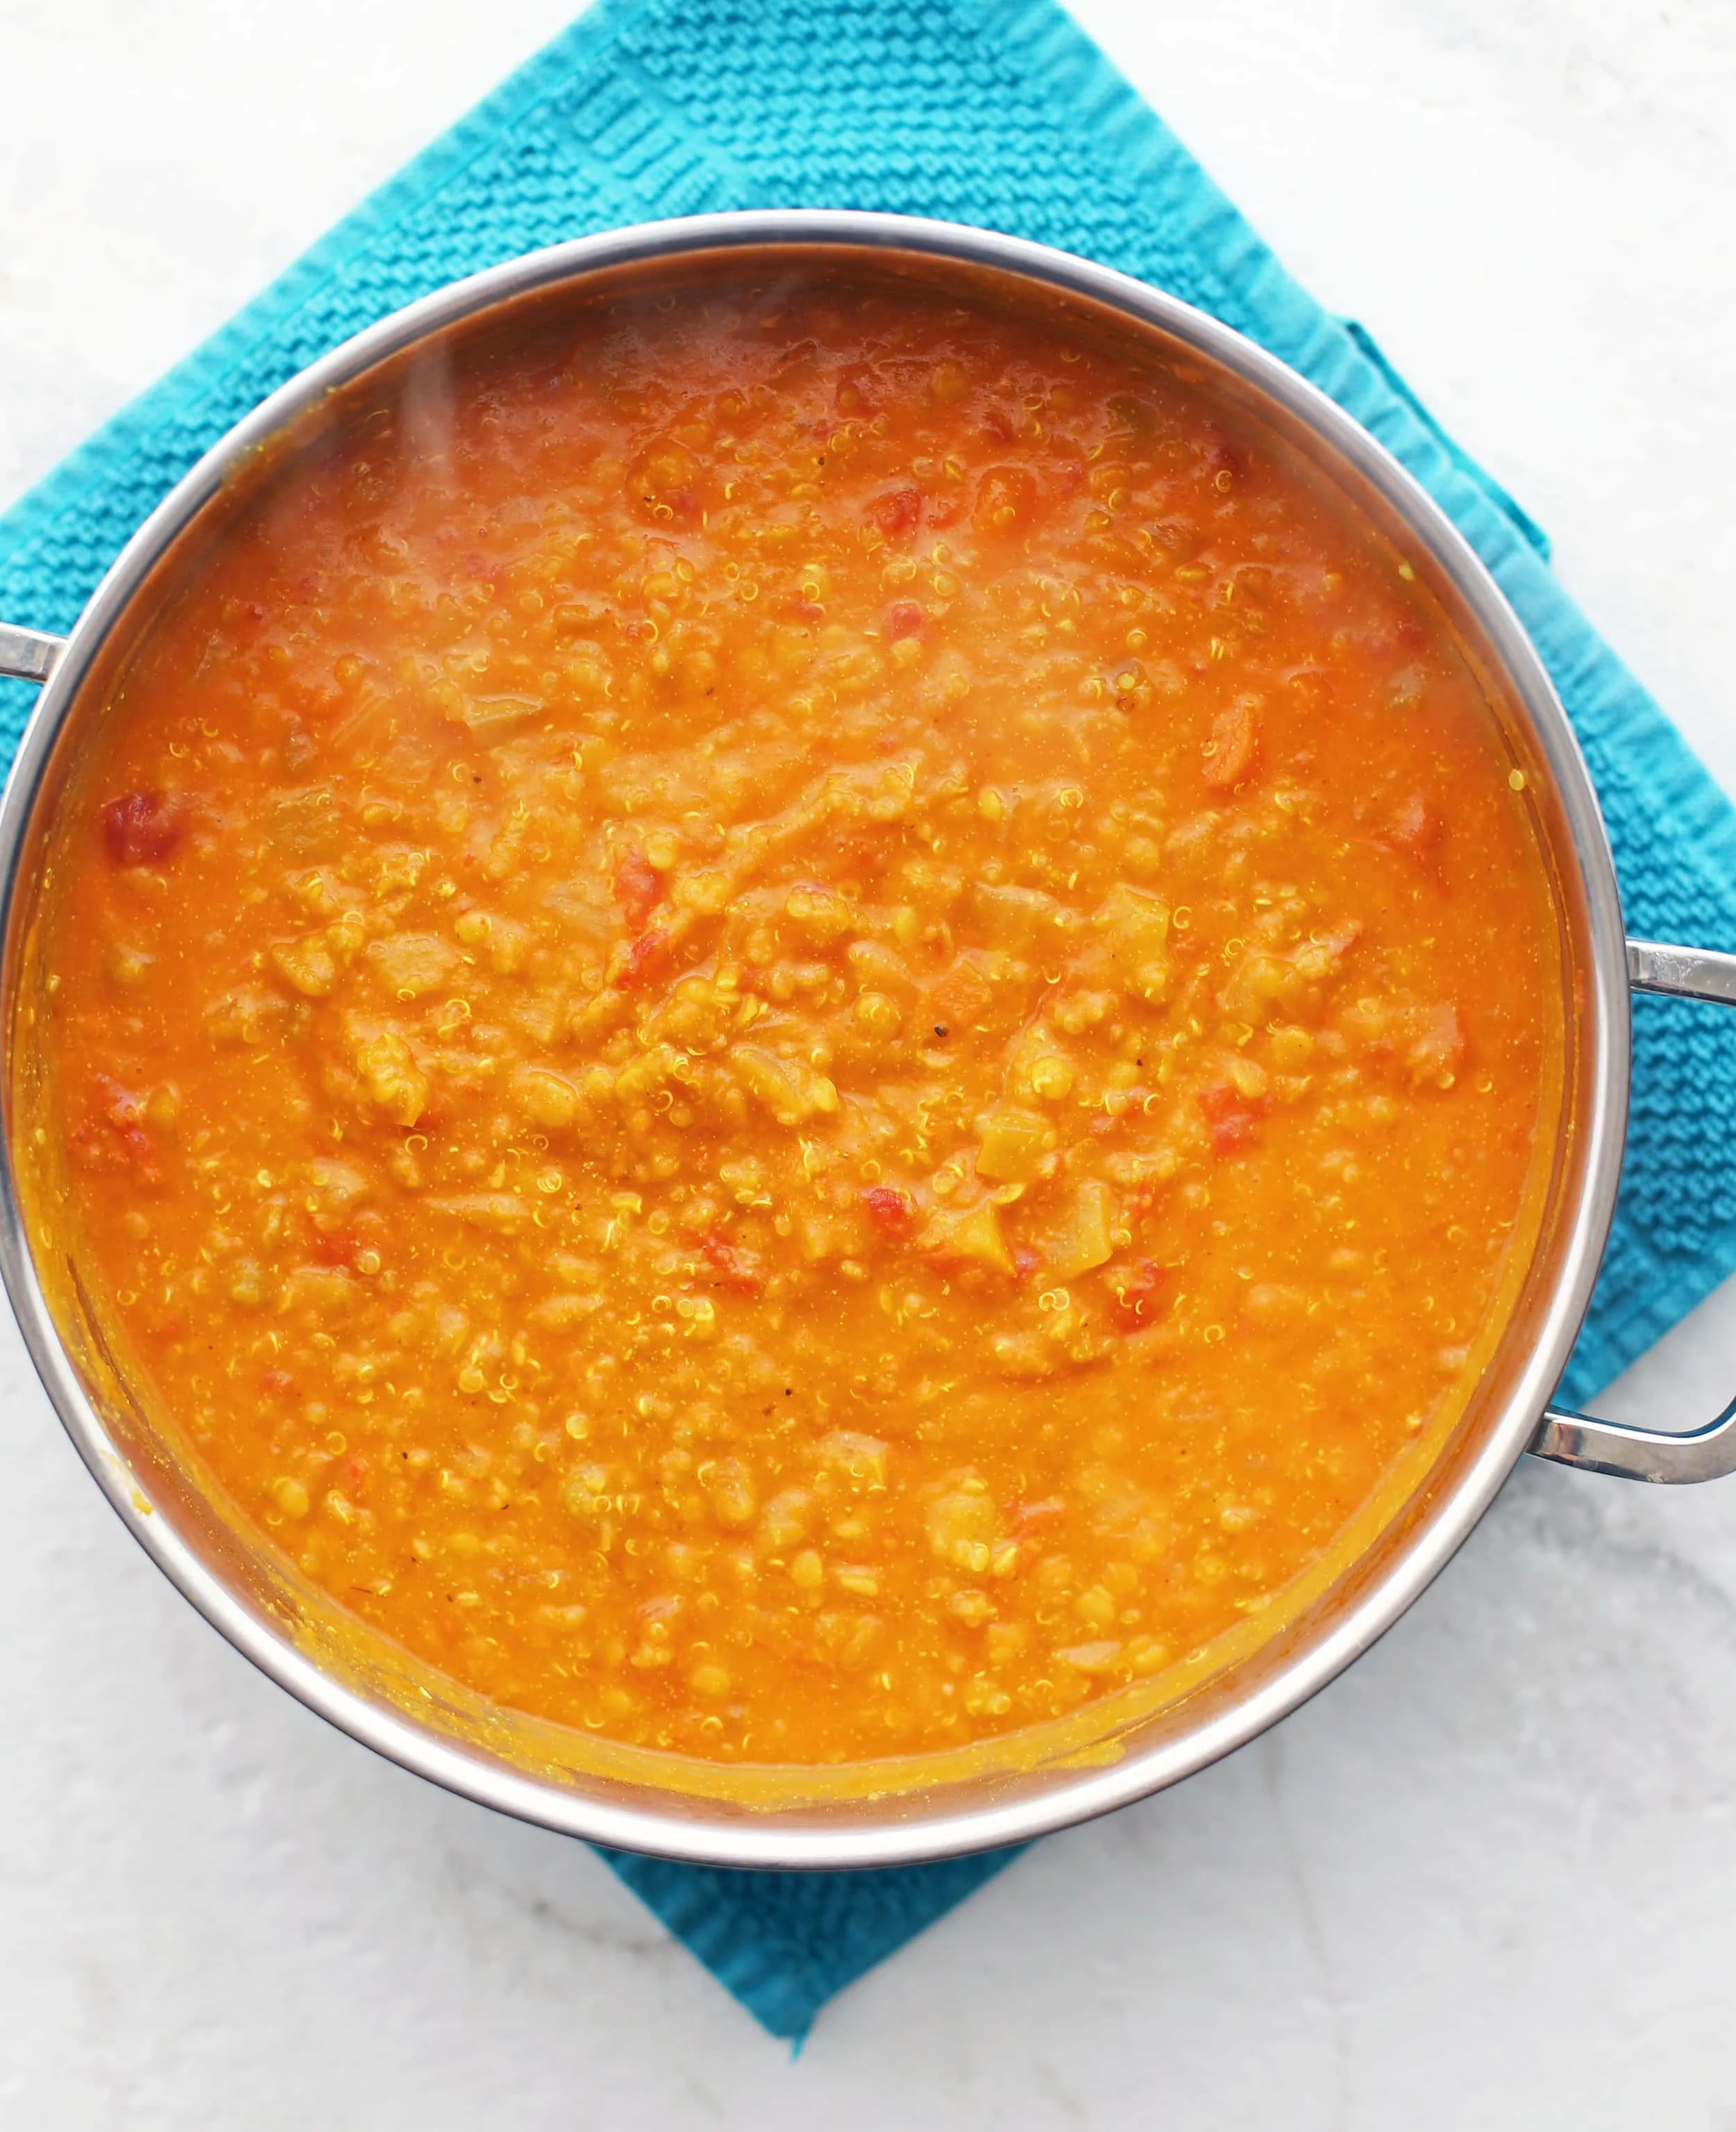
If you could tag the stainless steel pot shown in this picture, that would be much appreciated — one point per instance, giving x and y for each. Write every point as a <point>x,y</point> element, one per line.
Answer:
<point>876,1815</point>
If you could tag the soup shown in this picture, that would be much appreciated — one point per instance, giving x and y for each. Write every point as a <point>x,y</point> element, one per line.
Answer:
<point>798,1021</point>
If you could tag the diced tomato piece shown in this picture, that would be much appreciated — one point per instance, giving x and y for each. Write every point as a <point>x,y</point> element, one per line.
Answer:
<point>353,1473</point>
<point>893,1213</point>
<point>334,1247</point>
<point>1231,1117</point>
<point>276,1384</point>
<point>903,618</point>
<point>734,1267</point>
<point>114,1135</point>
<point>1028,1259</point>
<point>1136,1291</point>
<point>647,957</point>
<point>638,888</point>
<point>142,828</point>
<point>898,512</point>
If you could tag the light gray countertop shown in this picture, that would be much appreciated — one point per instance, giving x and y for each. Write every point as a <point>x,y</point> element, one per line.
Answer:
<point>1488,1880</point>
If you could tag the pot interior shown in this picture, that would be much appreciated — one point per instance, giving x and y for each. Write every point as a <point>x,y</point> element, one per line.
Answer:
<point>890,1809</point>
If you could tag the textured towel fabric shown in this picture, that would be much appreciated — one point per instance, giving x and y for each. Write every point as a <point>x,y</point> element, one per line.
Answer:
<point>998,113</point>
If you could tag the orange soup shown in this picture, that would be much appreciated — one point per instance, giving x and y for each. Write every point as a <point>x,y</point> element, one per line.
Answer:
<point>799,1022</point>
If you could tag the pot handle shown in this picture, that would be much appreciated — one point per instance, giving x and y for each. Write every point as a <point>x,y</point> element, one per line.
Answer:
<point>1610,1447</point>
<point>28,654</point>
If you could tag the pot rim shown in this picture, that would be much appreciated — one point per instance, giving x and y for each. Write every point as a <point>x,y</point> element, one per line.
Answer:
<point>897,1834</point>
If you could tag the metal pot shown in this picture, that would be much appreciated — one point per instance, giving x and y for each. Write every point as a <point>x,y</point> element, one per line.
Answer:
<point>968,1799</point>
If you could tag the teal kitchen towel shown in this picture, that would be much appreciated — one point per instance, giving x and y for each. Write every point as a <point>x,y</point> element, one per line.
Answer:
<point>999,113</point>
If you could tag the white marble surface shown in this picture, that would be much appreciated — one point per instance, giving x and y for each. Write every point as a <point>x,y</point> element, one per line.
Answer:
<point>1489,1879</point>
